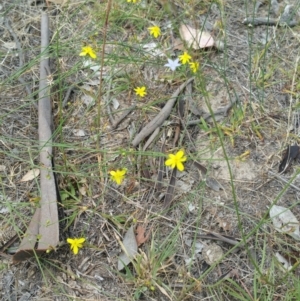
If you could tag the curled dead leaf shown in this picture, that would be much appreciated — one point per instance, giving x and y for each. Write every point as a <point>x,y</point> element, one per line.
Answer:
<point>129,247</point>
<point>30,175</point>
<point>285,221</point>
<point>140,235</point>
<point>196,38</point>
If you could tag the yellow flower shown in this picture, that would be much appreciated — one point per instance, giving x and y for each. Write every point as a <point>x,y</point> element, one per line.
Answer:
<point>76,244</point>
<point>176,160</point>
<point>88,50</point>
<point>140,91</point>
<point>154,31</point>
<point>133,1</point>
<point>194,66</point>
<point>118,175</point>
<point>185,58</point>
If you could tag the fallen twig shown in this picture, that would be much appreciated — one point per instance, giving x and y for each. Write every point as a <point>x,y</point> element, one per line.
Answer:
<point>268,21</point>
<point>123,116</point>
<point>217,236</point>
<point>161,116</point>
<point>170,191</point>
<point>151,138</point>
<point>66,99</point>
<point>107,97</point>
<point>206,116</point>
<point>21,57</point>
<point>283,180</point>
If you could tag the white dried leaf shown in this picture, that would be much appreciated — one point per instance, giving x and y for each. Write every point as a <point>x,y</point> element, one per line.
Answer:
<point>82,190</point>
<point>188,261</point>
<point>79,133</point>
<point>131,248</point>
<point>287,266</point>
<point>93,82</point>
<point>152,48</point>
<point>87,63</point>
<point>115,103</point>
<point>61,2</point>
<point>30,175</point>
<point>10,45</point>
<point>212,253</point>
<point>2,168</point>
<point>191,207</point>
<point>198,247</point>
<point>95,68</point>
<point>4,210</point>
<point>196,38</point>
<point>87,99</point>
<point>285,221</point>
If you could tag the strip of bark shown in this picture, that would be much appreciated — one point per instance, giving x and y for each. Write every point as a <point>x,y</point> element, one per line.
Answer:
<point>43,230</point>
<point>161,116</point>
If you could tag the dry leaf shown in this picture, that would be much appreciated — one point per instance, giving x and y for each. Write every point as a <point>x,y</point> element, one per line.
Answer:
<point>285,221</point>
<point>213,184</point>
<point>212,253</point>
<point>129,247</point>
<point>196,38</point>
<point>79,133</point>
<point>10,45</point>
<point>140,235</point>
<point>286,265</point>
<point>61,2</point>
<point>153,49</point>
<point>177,44</point>
<point>224,224</point>
<point>30,175</point>
<point>115,103</point>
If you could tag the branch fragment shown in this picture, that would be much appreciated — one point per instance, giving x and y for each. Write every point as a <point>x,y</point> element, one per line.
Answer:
<point>161,116</point>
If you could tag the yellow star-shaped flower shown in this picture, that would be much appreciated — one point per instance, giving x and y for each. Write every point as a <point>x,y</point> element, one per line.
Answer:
<point>133,1</point>
<point>118,175</point>
<point>140,91</point>
<point>88,50</point>
<point>154,31</point>
<point>76,244</point>
<point>176,160</point>
<point>185,58</point>
<point>194,66</point>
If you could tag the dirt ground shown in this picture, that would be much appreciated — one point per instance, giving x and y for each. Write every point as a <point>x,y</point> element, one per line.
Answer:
<point>256,70</point>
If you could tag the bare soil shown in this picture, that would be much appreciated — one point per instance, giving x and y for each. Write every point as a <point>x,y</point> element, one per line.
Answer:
<point>257,69</point>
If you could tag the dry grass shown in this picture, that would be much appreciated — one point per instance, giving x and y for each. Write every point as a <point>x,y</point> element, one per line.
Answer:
<point>258,68</point>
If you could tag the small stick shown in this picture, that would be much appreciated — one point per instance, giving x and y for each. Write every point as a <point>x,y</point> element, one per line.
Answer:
<point>161,116</point>
<point>170,191</point>
<point>223,111</point>
<point>21,58</point>
<point>110,117</point>
<point>151,138</point>
<point>217,236</point>
<point>284,180</point>
<point>268,21</point>
<point>123,116</point>
<point>65,101</point>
